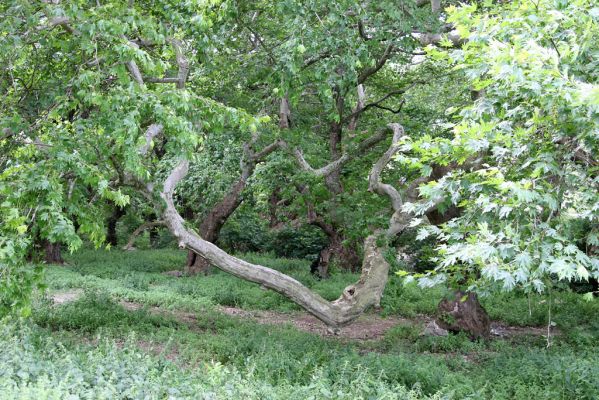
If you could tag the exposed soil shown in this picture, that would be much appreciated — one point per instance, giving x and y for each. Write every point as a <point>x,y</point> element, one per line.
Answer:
<point>367,327</point>
<point>67,296</point>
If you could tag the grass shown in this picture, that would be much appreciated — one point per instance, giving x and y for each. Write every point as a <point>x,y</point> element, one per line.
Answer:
<point>93,347</point>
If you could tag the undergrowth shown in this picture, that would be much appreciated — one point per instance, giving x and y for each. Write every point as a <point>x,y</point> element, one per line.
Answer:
<point>94,347</point>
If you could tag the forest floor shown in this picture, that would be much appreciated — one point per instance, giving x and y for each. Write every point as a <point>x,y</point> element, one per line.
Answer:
<point>367,327</point>
<point>106,301</point>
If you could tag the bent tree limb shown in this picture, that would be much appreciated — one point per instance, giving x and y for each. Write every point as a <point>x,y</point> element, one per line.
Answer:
<point>352,303</point>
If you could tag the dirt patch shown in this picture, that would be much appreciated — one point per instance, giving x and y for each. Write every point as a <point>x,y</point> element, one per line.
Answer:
<point>67,296</point>
<point>367,327</point>
<point>502,330</point>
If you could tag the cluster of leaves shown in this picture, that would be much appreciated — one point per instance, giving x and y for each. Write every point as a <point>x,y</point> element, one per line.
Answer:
<point>529,188</point>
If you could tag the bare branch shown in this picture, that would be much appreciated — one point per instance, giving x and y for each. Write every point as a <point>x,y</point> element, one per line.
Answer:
<point>374,180</point>
<point>259,156</point>
<point>143,227</point>
<point>284,113</point>
<point>63,22</point>
<point>132,65</point>
<point>379,64</point>
<point>345,157</point>
<point>182,62</point>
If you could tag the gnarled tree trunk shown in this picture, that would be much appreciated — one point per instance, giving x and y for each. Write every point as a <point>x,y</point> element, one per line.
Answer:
<point>352,303</point>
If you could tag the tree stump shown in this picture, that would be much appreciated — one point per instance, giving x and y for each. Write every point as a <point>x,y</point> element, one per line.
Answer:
<point>462,312</point>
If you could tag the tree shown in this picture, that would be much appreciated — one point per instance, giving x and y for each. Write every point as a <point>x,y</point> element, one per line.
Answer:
<point>123,104</point>
<point>328,65</point>
<point>530,214</point>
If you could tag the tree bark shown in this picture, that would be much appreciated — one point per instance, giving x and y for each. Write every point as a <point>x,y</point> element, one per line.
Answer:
<point>212,224</point>
<point>52,253</point>
<point>111,236</point>
<point>462,312</point>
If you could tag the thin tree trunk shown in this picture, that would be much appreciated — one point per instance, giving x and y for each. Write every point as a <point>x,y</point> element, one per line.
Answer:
<point>212,224</point>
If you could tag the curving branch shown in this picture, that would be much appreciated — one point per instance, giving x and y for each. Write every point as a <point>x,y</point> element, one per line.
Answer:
<point>152,131</point>
<point>352,303</point>
<point>63,22</point>
<point>374,180</point>
<point>132,65</point>
<point>333,166</point>
<point>368,72</point>
<point>182,62</point>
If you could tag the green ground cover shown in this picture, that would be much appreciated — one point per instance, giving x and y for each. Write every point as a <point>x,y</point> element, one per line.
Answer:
<point>94,347</point>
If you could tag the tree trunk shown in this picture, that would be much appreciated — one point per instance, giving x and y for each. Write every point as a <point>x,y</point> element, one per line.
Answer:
<point>346,257</point>
<point>153,236</point>
<point>462,312</point>
<point>52,253</point>
<point>111,237</point>
<point>212,224</point>
<point>273,205</point>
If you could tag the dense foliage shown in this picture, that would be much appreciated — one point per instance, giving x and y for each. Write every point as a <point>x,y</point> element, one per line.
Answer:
<point>531,210</point>
<point>455,144</point>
